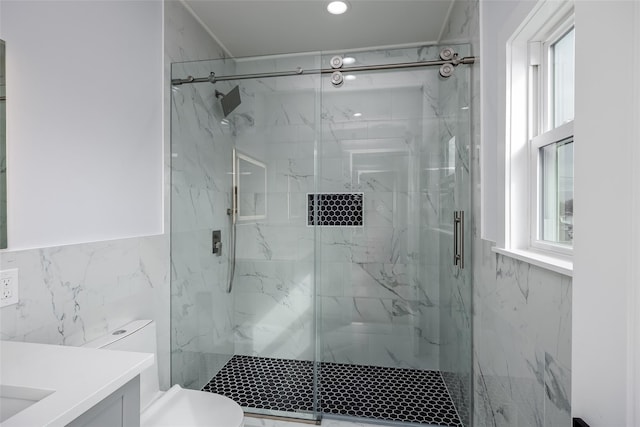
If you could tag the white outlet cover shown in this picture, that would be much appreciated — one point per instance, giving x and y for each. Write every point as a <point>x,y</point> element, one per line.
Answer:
<point>9,283</point>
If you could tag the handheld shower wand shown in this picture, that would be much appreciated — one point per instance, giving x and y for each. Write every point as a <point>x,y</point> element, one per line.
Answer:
<point>232,213</point>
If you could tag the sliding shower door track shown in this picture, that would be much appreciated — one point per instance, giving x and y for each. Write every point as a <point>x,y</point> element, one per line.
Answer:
<point>213,78</point>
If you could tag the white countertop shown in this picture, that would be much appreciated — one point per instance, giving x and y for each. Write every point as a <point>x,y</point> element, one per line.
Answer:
<point>79,378</point>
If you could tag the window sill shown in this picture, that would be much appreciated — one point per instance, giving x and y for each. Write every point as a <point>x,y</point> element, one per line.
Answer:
<point>558,264</point>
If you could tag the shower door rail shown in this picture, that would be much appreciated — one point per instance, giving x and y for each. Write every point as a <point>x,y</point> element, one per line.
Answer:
<point>212,78</point>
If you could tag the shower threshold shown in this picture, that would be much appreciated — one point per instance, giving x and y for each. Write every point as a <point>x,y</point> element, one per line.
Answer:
<point>280,386</point>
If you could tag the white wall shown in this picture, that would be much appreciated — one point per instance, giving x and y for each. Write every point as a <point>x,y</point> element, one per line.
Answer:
<point>85,165</point>
<point>499,20</point>
<point>84,121</point>
<point>606,197</point>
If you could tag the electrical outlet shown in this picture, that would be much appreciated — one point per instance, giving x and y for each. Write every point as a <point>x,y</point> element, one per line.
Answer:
<point>8,287</point>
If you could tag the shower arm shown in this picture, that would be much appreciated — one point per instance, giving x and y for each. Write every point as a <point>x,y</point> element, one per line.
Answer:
<point>212,78</point>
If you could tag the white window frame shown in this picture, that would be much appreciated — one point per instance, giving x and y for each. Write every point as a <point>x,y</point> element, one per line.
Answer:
<point>528,91</point>
<point>559,134</point>
<point>541,121</point>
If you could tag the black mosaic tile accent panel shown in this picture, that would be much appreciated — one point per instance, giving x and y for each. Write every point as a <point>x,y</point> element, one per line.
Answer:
<point>336,209</point>
<point>380,393</point>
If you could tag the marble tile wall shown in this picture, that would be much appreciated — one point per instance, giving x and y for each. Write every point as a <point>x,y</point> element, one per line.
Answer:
<point>201,153</point>
<point>378,303</point>
<point>274,281</point>
<point>378,307</point>
<point>196,167</point>
<point>523,344</point>
<point>73,294</point>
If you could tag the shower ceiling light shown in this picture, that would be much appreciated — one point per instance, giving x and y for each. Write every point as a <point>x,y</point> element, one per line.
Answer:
<point>337,7</point>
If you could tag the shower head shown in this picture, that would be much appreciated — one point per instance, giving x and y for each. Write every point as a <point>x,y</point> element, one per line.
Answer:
<point>230,101</point>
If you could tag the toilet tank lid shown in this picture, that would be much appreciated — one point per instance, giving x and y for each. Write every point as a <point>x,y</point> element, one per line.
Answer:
<point>118,334</point>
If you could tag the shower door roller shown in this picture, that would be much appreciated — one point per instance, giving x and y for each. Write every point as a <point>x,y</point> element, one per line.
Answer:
<point>447,54</point>
<point>446,70</point>
<point>336,62</point>
<point>458,238</point>
<point>337,79</point>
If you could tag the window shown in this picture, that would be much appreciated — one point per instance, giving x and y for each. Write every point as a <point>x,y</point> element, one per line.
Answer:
<point>539,142</point>
<point>551,131</point>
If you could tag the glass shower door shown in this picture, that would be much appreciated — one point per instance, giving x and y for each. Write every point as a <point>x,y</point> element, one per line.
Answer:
<point>275,136</point>
<point>244,322</point>
<point>202,336</point>
<point>393,167</point>
<point>334,288</point>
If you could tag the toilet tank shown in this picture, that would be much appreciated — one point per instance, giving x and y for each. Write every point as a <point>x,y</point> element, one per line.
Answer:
<point>138,336</point>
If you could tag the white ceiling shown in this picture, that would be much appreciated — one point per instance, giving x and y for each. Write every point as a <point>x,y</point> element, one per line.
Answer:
<point>264,27</point>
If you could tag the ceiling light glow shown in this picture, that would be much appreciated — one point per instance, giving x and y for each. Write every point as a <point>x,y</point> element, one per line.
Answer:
<point>357,114</point>
<point>348,60</point>
<point>337,7</point>
<point>349,77</point>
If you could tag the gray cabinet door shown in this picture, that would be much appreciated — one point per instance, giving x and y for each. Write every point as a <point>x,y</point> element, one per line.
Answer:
<point>119,409</point>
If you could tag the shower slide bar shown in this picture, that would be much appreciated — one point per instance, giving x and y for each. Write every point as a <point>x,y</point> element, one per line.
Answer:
<point>446,65</point>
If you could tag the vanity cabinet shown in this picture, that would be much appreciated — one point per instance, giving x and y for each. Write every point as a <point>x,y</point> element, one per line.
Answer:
<point>120,409</point>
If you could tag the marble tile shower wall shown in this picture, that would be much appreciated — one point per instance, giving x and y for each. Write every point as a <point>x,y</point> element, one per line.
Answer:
<point>201,307</point>
<point>274,305</point>
<point>375,308</point>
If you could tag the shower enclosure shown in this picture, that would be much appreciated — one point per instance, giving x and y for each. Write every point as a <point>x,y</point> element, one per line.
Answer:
<point>341,282</point>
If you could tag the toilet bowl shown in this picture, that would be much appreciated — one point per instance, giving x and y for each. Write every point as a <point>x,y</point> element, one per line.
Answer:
<point>176,407</point>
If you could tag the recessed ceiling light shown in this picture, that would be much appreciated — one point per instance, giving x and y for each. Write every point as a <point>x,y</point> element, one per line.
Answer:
<point>349,77</point>
<point>337,7</point>
<point>348,60</point>
<point>357,114</point>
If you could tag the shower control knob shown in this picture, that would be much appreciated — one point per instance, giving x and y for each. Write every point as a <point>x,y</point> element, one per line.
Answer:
<point>336,62</point>
<point>447,54</point>
<point>446,70</point>
<point>337,79</point>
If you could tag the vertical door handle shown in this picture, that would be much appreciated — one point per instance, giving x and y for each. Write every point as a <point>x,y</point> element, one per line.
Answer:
<point>458,238</point>
<point>455,237</point>
<point>461,237</point>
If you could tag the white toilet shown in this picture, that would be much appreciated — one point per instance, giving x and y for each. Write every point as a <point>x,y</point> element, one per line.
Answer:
<point>177,407</point>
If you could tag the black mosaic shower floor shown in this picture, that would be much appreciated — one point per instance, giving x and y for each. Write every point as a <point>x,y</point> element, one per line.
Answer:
<point>390,394</point>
